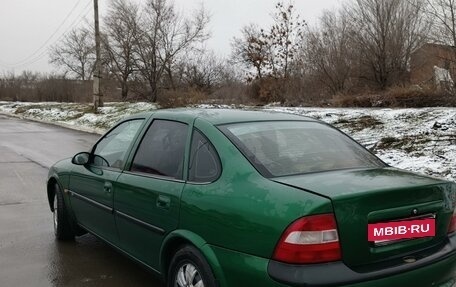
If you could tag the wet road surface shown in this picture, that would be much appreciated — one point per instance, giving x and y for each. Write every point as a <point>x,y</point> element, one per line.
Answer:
<point>29,254</point>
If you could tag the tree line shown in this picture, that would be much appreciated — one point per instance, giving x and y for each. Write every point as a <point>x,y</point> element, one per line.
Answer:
<point>152,51</point>
<point>365,45</point>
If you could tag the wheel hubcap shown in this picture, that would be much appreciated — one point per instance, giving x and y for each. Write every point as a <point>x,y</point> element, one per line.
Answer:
<point>55,213</point>
<point>188,276</point>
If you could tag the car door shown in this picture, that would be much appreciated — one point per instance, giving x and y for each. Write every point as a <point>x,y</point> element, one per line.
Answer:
<point>92,185</point>
<point>147,199</point>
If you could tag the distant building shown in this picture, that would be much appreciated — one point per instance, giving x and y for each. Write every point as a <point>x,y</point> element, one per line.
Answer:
<point>433,64</point>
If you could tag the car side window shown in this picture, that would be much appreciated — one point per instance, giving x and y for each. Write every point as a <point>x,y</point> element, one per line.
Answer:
<point>204,163</point>
<point>162,149</point>
<point>112,148</point>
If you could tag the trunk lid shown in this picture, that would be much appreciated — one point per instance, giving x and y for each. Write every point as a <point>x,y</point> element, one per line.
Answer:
<point>360,197</point>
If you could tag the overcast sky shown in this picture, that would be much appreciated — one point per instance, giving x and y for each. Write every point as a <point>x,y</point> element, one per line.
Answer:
<point>28,28</point>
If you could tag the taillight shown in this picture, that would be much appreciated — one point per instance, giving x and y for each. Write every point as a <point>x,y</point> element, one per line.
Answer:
<point>452,227</point>
<point>311,239</point>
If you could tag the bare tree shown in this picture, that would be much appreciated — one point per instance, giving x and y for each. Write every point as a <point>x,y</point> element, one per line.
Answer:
<point>164,35</point>
<point>203,71</point>
<point>442,15</point>
<point>285,37</point>
<point>386,32</point>
<point>329,52</point>
<point>272,55</point>
<point>75,54</point>
<point>252,50</point>
<point>271,52</point>
<point>121,31</point>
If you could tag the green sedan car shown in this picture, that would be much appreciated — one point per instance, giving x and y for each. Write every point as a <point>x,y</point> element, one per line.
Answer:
<point>206,197</point>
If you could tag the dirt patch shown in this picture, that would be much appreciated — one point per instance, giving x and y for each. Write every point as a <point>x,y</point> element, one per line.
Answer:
<point>359,124</point>
<point>410,144</point>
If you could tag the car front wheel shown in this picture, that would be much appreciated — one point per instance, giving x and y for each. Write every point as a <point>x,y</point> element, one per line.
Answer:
<point>62,226</point>
<point>188,268</point>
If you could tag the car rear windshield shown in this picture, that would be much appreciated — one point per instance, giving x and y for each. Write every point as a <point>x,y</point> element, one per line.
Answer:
<point>291,148</point>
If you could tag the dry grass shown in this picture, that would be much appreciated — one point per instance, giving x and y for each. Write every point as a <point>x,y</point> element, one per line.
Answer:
<point>361,123</point>
<point>181,98</point>
<point>398,97</point>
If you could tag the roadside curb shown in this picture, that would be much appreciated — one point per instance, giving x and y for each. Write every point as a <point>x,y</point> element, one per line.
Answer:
<point>60,124</point>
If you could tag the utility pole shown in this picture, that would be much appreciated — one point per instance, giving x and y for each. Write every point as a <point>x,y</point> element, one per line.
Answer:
<point>97,96</point>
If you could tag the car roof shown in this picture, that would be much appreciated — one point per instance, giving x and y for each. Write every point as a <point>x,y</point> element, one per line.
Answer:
<point>227,116</point>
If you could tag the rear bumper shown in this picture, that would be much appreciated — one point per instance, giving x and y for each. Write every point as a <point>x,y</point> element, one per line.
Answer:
<point>432,270</point>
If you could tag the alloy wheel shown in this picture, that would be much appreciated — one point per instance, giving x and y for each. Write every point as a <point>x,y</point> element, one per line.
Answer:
<point>55,214</point>
<point>188,276</point>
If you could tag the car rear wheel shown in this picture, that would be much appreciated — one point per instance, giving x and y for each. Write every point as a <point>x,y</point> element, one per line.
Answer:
<point>62,226</point>
<point>188,268</point>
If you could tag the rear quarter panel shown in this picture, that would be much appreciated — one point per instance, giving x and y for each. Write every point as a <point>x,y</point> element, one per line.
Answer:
<point>242,210</point>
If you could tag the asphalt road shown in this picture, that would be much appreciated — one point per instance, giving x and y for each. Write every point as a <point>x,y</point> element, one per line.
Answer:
<point>29,254</point>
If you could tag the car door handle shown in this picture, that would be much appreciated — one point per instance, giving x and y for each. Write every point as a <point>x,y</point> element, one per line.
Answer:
<point>163,202</point>
<point>107,187</point>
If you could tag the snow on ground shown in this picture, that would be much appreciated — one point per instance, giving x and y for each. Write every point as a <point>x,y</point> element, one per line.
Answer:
<point>421,140</point>
<point>75,115</point>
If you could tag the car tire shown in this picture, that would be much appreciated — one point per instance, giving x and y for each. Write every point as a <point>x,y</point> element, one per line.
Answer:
<point>62,223</point>
<point>189,268</point>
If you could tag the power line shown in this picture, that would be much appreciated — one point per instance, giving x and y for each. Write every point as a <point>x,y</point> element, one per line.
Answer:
<point>51,36</point>
<point>35,59</point>
<point>24,60</point>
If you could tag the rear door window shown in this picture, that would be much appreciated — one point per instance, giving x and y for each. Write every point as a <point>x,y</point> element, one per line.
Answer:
<point>162,150</point>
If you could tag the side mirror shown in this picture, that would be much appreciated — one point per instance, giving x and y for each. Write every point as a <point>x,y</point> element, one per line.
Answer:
<point>81,158</point>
